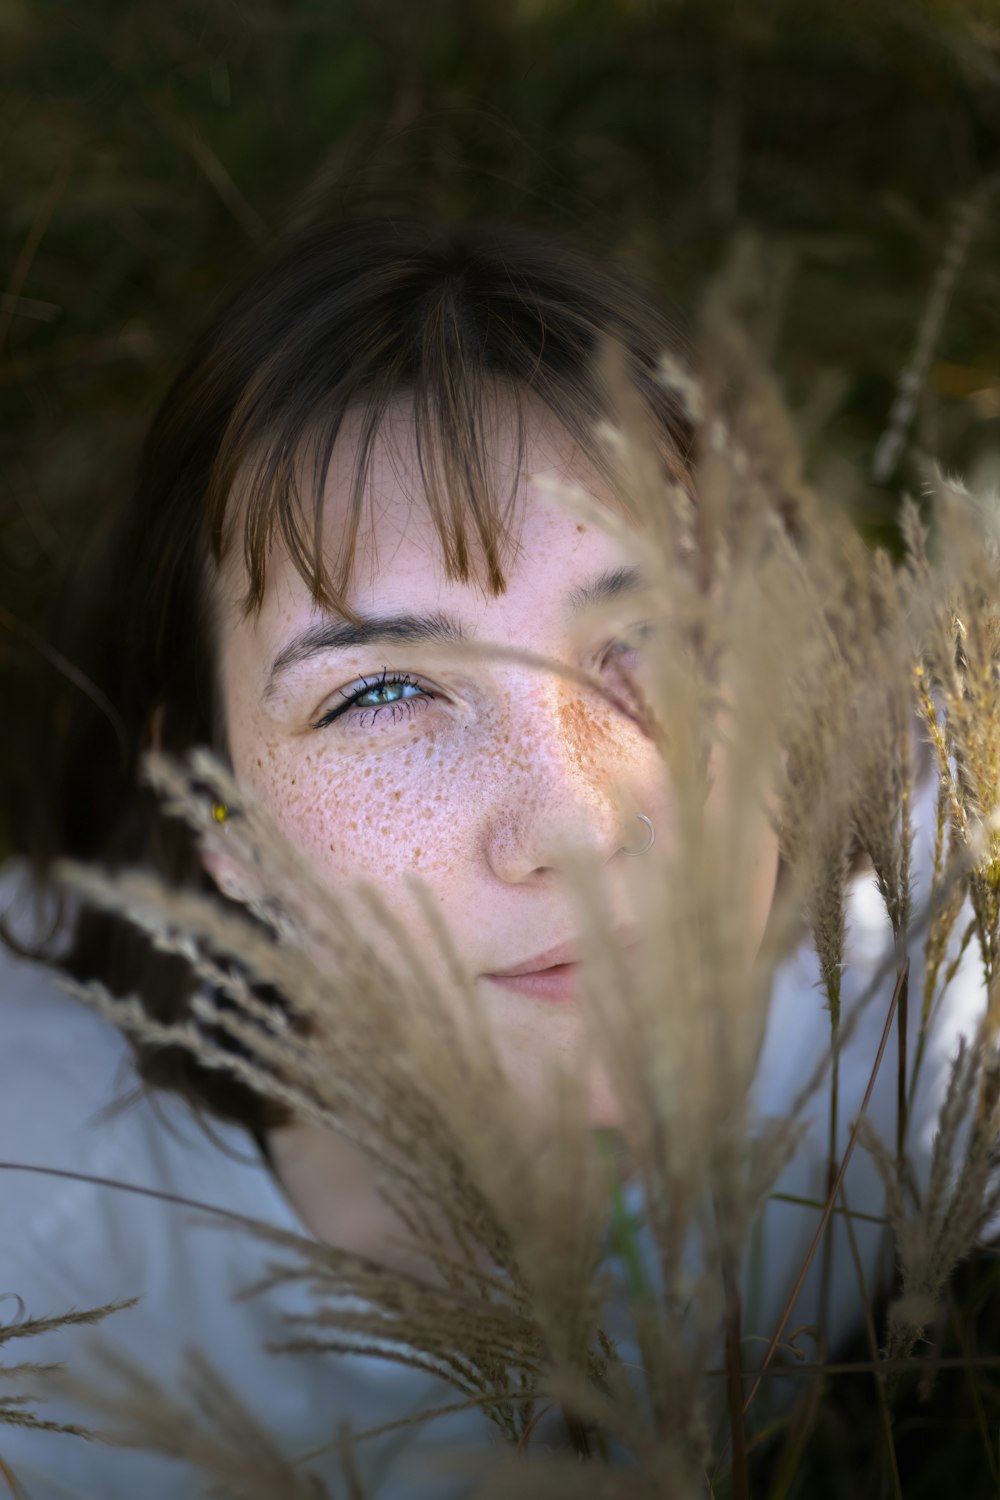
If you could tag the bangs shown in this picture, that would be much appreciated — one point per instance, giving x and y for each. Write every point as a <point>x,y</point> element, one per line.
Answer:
<point>279,495</point>
<point>463,332</point>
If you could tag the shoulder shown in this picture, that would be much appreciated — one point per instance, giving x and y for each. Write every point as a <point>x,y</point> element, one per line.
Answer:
<point>931,1017</point>
<point>73,1109</point>
<point>85,1240</point>
<point>60,1062</point>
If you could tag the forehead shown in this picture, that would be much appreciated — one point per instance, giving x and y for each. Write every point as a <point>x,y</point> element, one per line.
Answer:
<point>399,536</point>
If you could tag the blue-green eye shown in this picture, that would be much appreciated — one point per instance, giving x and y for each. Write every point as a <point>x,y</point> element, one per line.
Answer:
<point>620,647</point>
<point>385,691</point>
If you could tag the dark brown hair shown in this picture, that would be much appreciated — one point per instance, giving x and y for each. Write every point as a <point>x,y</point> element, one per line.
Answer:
<point>337,319</point>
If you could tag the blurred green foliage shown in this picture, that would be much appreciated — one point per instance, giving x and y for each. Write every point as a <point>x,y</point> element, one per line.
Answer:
<point>150,150</point>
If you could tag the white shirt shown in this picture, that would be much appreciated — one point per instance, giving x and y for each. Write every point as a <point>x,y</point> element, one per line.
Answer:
<point>66,1243</point>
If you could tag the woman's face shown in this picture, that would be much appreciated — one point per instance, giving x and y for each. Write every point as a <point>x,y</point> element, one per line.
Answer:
<point>475,774</point>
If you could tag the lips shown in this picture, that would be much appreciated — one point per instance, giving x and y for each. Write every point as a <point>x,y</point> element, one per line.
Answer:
<point>550,975</point>
<point>558,982</point>
<point>564,953</point>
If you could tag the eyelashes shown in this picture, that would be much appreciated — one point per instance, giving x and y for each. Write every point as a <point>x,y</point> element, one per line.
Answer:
<point>379,684</point>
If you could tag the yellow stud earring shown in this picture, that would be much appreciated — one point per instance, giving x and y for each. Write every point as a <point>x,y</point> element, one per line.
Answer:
<point>220,812</point>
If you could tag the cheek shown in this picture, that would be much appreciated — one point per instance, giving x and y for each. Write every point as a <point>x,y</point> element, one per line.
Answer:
<point>765,878</point>
<point>590,738</point>
<point>374,816</point>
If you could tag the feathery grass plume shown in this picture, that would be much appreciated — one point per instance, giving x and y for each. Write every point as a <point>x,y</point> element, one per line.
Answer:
<point>682,1058</point>
<point>750,467</point>
<point>963,1192</point>
<point>402,1068</point>
<point>951,611</point>
<point>844,726</point>
<point>850,777</point>
<point>759,678</point>
<point>41,1381</point>
<point>885,713</point>
<point>681,1041</point>
<point>931,621</point>
<point>206,1425</point>
<point>553,1215</point>
<point>820,777</point>
<point>428,1314</point>
<point>749,454</point>
<point>841,698</point>
<point>956,630</point>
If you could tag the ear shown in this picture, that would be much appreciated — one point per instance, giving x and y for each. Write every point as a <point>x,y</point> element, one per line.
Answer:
<point>226,874</point>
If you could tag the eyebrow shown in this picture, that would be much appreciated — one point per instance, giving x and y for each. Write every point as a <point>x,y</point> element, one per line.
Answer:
<point>607,585</point>
<point>340,635</point>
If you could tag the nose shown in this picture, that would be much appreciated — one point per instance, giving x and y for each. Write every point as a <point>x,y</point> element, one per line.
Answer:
<point>571,770</point>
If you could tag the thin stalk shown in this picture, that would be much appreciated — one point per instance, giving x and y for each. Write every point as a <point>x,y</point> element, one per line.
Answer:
<point>427,1415</point>
<point>795,1446</point>
<point>902,1016</point>
<point>134,1187</point>
<point>734,1381</point>
<point>883,1399</point>
<point>32,240</point>
<point>831,1200</point>
<point>15,1489</point>
<point>855,1213</point>
<point>831,1174</point>
<point>930,1011</point>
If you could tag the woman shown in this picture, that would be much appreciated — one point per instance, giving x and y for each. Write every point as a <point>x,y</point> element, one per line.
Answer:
<point>407,383</point>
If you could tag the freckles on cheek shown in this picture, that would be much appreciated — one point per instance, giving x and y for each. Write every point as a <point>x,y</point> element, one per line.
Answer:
<point>589,735</point>
<point>371,816</point>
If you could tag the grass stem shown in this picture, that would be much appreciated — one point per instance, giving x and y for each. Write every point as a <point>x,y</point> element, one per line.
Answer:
<point>831,1200</point>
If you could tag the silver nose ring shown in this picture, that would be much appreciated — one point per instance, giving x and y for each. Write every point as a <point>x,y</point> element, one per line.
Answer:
<point>652,837</point>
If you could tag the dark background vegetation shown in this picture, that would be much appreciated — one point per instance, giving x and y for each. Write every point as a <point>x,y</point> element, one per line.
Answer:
<point>150,150</point>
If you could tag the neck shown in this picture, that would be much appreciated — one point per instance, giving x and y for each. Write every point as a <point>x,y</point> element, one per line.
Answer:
<point>332,1187</point>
